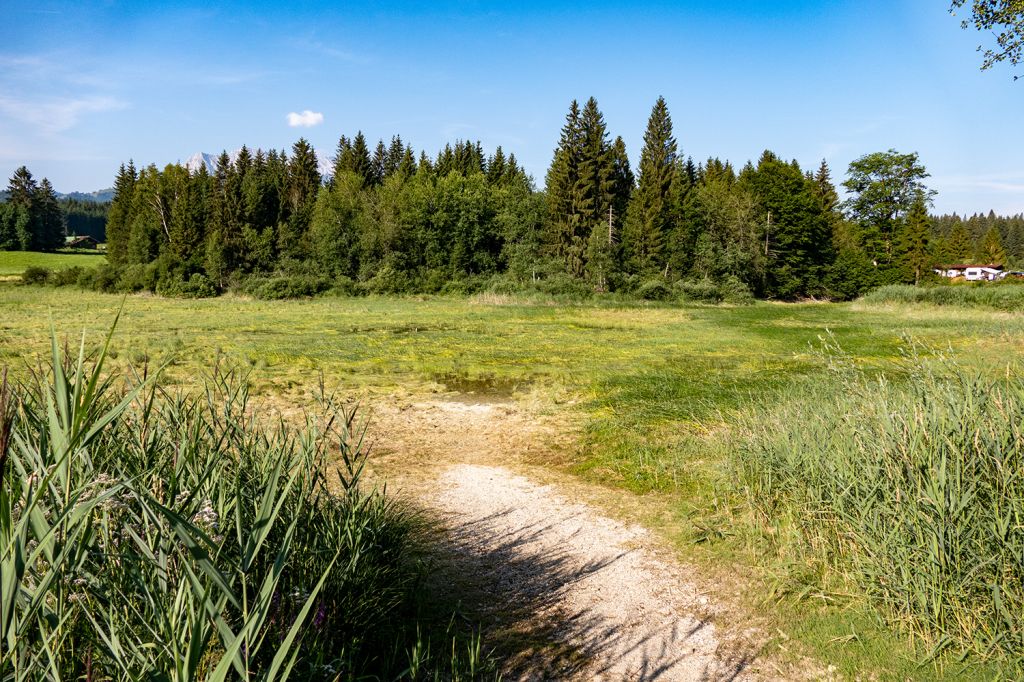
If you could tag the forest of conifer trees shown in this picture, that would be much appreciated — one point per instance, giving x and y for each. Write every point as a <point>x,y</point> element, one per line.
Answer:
<point>389,220</point>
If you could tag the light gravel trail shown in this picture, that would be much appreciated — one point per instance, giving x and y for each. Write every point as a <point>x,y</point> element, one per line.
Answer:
<point>576,594</point>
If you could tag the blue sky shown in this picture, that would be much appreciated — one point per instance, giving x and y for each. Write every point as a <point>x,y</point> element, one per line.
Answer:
<point>85,86</point>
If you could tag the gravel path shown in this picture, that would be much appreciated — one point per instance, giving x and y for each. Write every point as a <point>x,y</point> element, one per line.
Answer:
<point>577,594</point>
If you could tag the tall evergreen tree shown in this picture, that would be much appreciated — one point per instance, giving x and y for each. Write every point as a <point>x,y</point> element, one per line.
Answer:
<point>50,227</point>
<point>650,209</point>
<point>496,166</point>
<point>120,216</point>
<point>303,183</point>
<point>23,218</point>
<point>21,188</point>
<point>959,246</point>
<point>992,251</point>
<point>342,158</point>
<point>914,248</point>
<point>379,164</point>
<point>569,207</point>
<point>597,167</point>
<point>623,183</point>
<point>354,157</point>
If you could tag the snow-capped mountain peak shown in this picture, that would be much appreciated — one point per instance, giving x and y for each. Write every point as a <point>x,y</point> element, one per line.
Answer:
<point>325,163</point>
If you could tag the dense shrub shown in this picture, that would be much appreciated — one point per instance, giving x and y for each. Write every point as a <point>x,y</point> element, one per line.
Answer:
<point>735,291</point>
<point>133,278</point>
<point>197,285</point>
<point>700,291</point>
<point>387,280</point>
<point>67,277</point>
<point>278,287</point>
<point>35,275</point>
<point>654,290</point>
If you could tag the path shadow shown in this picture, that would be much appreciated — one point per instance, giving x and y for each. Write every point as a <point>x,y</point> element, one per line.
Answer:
<point>515,594</point>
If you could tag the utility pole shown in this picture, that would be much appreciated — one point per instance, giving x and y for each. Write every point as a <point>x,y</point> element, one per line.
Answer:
<point>767,231</point>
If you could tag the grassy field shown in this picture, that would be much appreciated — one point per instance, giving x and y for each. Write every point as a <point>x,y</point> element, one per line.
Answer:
<point>13,263</point>
<point>663,397</point>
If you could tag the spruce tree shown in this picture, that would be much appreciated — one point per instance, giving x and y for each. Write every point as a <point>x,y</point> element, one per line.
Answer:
<point>496,167</point>
<point>379,164</point>
<point>424,167</point>
<point>596,165</point>
<point>49,219</point>
<point>992,252</point>
<point>826,191</point>
<point>21,197</point>
<point>396,152</point>
<point>959,246</point>
<point>623,183</point>
<point>407,166</point>
<point>650,209</point>
<point>358,159</point>
<point>568,203</point>
<point>120,214</point>
<point>21,189</point>
<point>303,183</point>
<point>913,249</point>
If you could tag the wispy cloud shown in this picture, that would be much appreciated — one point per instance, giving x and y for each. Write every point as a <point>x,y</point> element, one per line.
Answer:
<point>307,119</point>
<point>1008,183</point>
<point>328,50</point>
<point>56,114</point>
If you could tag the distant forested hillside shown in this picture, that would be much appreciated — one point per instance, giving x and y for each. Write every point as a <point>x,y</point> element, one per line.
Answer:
<point>85,217</point>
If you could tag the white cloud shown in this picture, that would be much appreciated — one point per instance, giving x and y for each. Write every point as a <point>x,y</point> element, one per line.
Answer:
<point>307,119</point>
<point>55,115</point>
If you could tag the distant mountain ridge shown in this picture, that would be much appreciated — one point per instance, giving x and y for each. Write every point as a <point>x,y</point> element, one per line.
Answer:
<point>325,163</point>
<point>100,196</point>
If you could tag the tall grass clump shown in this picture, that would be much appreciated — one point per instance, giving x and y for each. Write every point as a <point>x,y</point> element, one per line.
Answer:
<point>914,488</point>
<point>151,535</point>
<point>1008,296</point>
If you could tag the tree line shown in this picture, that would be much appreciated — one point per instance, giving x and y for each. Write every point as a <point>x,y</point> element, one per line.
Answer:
<point>31,218</point>
<point>391,220</point>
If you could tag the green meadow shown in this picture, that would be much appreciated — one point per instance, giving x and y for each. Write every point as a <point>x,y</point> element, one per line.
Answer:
<point>14,262</point>
<point>672,404</point>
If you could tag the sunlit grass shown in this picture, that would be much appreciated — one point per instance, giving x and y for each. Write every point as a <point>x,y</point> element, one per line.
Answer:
<point>661,394</point>
<point>14,262</point>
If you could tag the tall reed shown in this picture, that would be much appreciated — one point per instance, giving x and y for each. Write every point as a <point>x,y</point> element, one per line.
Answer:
<point>146,534</point>
<point>913,486</point>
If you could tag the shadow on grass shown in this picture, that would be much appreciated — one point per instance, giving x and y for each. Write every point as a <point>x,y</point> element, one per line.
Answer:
<point>516,596</point>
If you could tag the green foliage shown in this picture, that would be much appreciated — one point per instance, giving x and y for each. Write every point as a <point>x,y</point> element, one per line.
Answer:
<point>31,218</point>
<point>277,287</point>
<point>148,533</point>
<point>650,209</point>
<point>731,291</point>
<point>86,218</point>
<point>197,285</point>
<point>1007,295</point>
<point>884,187</point>
<point>1002,18</point>
<point>912,252</point>
<point>654,289</point>
<point>912,488</point>
<point>35,275</point>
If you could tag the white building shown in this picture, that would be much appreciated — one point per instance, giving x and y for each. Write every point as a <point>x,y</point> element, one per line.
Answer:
<point>972,273</point>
